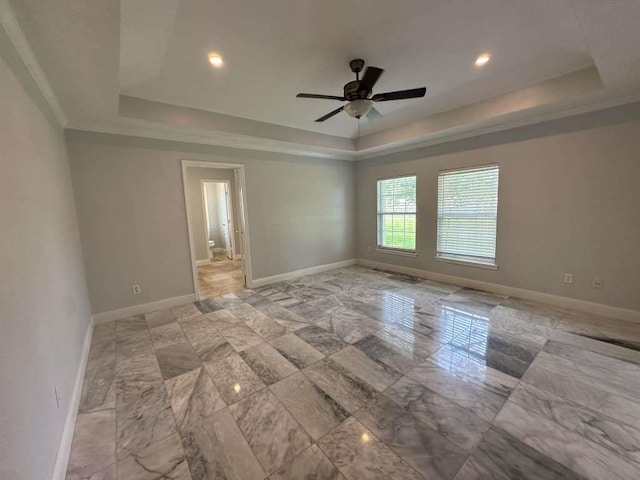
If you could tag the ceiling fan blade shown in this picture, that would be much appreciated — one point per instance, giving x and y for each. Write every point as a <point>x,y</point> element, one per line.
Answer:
<point>323,97</point>
<point>373,114</point>
<point>400,95</point>
<point>330,114</point>
<point>371,76</point>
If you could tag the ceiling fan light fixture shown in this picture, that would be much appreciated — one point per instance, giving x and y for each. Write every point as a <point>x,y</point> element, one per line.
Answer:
<point>358,108</point>
<point>482,59</point>
<point>215,59</point>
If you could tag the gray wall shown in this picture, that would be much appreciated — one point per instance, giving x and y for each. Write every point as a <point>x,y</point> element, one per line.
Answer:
<point>568,202</point>
<point>133,222</point>
<point>44,308</point>
<point>196,206</point>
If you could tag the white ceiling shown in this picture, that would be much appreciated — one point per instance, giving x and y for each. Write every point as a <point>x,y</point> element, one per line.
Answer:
<point>94,53</point>
<point>278,48</point>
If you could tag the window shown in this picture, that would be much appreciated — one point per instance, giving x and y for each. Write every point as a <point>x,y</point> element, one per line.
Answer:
<point>397,213</point>
<point>467,215</point>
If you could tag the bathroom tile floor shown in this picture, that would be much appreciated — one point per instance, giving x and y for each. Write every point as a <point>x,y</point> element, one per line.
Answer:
<point>220,277</point>
<point>360,374</point>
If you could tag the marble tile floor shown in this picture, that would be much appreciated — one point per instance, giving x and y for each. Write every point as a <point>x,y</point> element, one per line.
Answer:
<point>360,374</point>
<point>220,277</point>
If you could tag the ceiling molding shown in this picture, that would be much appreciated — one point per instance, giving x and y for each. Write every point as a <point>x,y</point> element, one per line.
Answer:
<point>503,123</point>
<point>139,128</point>
<point>532,116</point>
<point>24,51</point>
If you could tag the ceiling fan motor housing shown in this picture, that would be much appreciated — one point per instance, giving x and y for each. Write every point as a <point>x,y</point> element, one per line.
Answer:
<point>352,91</point>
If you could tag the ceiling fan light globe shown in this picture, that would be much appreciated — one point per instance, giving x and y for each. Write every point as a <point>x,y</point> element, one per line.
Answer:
<point>358,108</point>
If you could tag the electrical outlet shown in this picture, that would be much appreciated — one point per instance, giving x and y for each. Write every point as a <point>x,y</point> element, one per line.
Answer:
<point>568,278</point>
<point>596,282</point>
<point>56,392</point>
<point>368,249</point>
<point>136,289</point>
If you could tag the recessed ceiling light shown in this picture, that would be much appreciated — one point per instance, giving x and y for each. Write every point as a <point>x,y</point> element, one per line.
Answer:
<point>216,60</point>
<point>482,59</point>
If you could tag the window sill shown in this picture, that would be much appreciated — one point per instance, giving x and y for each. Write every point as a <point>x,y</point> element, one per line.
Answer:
<point>391,251</point>
<point>466,263</point>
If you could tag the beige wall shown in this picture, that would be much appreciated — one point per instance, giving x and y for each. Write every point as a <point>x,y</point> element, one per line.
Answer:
<point>44,308</point>
<point>196,205</point>
<point>133,223</point>
<point>568,202</point>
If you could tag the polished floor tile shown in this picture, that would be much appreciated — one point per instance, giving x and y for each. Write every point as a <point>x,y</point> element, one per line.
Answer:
<point>233,378</point>
<point>616,436</point>
<point>216,448</point>
<point>176,359</point>
<point>349,391</point>
<point>482,398</point>
<point>207,341</point>
<point>159,318</point>
<point>428,452</point>
<point>311,406</point>
<point>322,340</point>
<point>266,327</point>
<point>389,354</point>
<point>296,350</point>
<point>98,391</point>
<point>103,332</point>
<point>502,457</point>
<point>359,373</point>
<point>273,434</point>
<point>182,312</point>
<point>547,374</point>
<point>167,334</point>
<point>311,464</point>
<point>94,445</point>
<point>588,459</point>
<point>453,422</point>
<point>241,337</point>
<point>221,319</point>
<point>267,363</point>
<point>164,459</point>
<point>358,453</point>
<point>375,374</point>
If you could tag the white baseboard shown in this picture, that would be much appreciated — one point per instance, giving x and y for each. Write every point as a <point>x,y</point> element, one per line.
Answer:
<point>564,302</point>
<point>260,282</point>
<point>143,308</point>
<point>64,447</point>
<point>200,263</point>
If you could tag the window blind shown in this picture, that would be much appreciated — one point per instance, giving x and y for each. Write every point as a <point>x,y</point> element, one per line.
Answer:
<point>397,213</point>
<point>467,214</point>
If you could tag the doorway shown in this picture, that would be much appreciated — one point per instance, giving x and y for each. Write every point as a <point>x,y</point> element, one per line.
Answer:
<point>217,224</point>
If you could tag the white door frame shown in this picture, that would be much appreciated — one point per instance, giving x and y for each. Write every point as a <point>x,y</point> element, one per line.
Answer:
<point>230,225</point>
<point>246,248</point>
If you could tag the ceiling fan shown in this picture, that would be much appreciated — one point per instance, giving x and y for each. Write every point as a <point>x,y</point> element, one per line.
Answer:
<point>358,94</point>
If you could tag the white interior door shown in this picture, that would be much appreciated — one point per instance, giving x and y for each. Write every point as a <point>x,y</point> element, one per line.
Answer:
<point>228,226</point>
<point>241,219</point>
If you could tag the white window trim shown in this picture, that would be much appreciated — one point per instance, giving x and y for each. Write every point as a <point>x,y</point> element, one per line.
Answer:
<point>465,262</point>
<point>489,264</point>
<point>395,250</point>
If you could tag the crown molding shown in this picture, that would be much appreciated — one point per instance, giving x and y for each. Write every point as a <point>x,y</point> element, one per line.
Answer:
<point>13,30</point>
<point>505,122</point>
<point>139,128</point>
<point>156,131</point>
